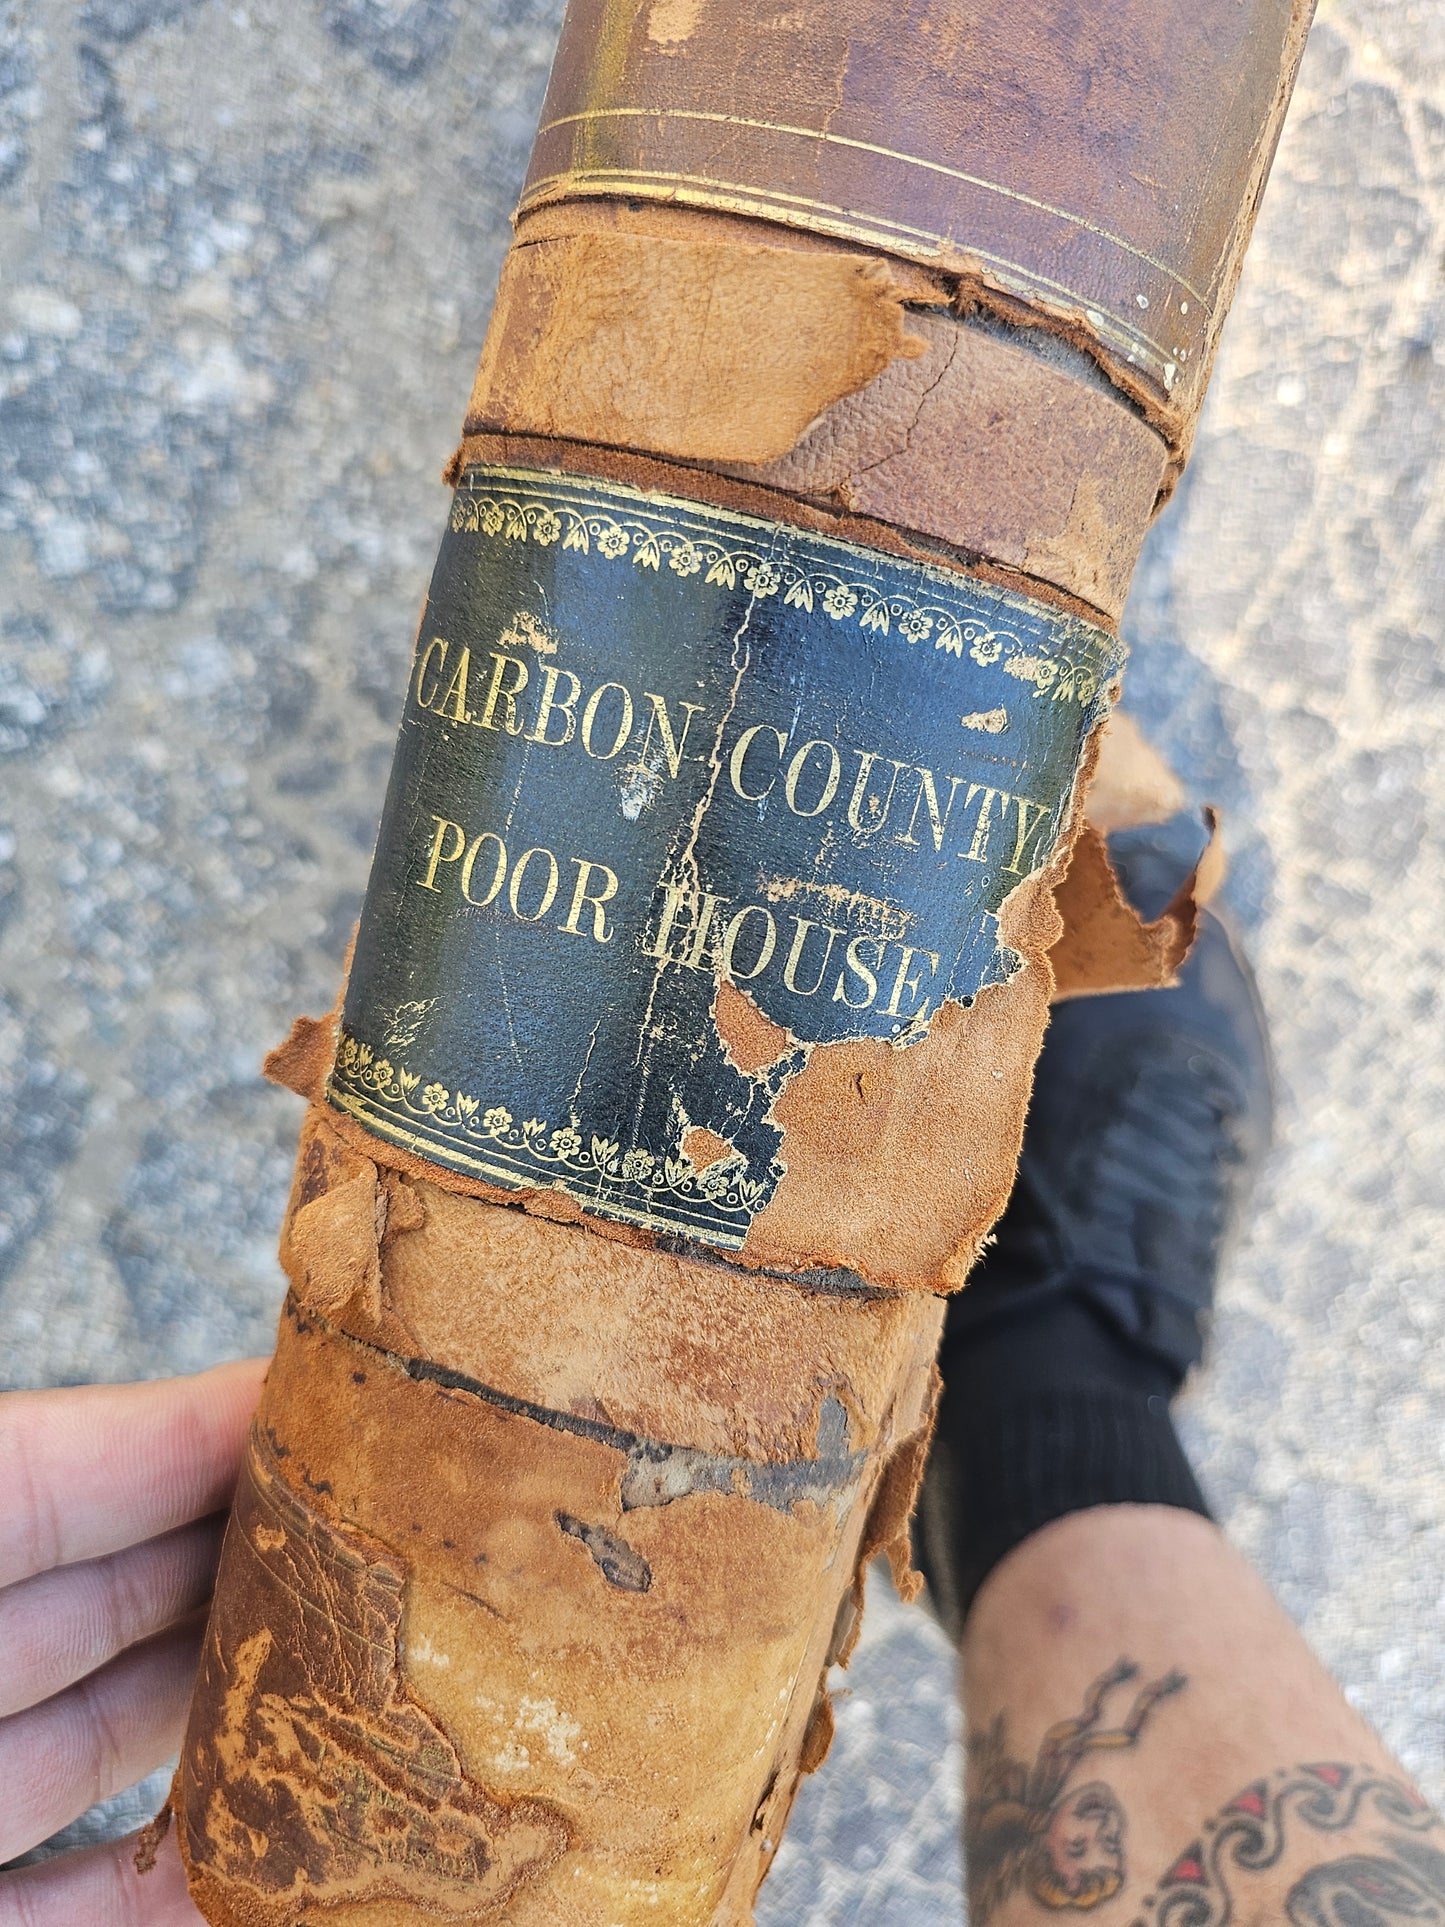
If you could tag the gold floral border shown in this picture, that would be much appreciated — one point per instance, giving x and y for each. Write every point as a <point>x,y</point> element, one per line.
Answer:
<point>1059,670</point>
<point>723,1199</point>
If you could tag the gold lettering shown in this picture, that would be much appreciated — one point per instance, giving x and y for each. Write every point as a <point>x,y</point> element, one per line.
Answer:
<point>927,793</point>
<point>795,954</point>
<point>567,709</point>
<point>439,856</point>
<point>438,648</point>
<point>1026,829</point>
<point>977,851</point>
<point>830,781</point>
<point>856,964</point>
<point>487,836</point>
<point>504,692</point>
<point>730,938</point>
<point>548,893</point>
<point>672,746</point>
<point>581,895</point>
<point>740,749</point>
<point>589,716</point>
<point>701,929</point>
<point>454,698</point>
<point>672,898</point>
<point>866,759</point>
<point>904,982</point>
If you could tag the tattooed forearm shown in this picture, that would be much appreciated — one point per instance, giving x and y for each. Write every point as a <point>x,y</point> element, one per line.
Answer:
<point>1031,1828</point>
<point>1266,1842</point>
<point>1316,1845</point>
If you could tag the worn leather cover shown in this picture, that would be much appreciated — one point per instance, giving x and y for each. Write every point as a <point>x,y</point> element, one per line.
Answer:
<point>1097,165</point>
<point>547,1539</point>
<point>826,373</point>
<point>534,1632</point>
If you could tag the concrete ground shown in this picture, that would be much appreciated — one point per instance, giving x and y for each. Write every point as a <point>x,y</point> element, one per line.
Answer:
<point>246,256</point>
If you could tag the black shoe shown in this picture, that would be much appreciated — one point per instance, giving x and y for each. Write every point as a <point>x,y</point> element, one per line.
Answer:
<point>1150,1116</point>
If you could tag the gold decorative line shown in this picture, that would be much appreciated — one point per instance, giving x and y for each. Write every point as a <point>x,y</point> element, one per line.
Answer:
<point>519,1150</point>
<point>444,1151</point>
<point>885,153</point>
<point>1067,670</point>
<point>702,523</point>
<point>872,229</point>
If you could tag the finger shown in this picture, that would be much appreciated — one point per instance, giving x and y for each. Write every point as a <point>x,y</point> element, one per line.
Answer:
<point>61,1625</point>
<point>99,1887</point>
<point>112,1729</point>
<point>91,1469</point>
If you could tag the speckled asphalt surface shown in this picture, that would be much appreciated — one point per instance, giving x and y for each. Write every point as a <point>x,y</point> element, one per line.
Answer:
<point>246,257</point>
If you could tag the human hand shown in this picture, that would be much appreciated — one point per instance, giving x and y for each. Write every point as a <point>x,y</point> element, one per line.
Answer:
<point>112,1505</point>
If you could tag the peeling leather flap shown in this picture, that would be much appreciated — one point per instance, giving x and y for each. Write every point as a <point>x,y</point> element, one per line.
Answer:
<point>889,1521</point>
<point>1131,783</point>
<point>301,1063</point>
<point>308,1775</point>
<point>1106,945</point>
<point>699,349</point>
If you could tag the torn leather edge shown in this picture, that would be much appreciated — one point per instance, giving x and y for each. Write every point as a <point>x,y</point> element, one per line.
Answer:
<point>658,1471</point>
<point>303,1063</point>
<point>533,312</point>
<point>149,1840</point>
<point>1106,946</point>
<point>585,318</point>
<point>1021,298</point>
<point>648,472</point>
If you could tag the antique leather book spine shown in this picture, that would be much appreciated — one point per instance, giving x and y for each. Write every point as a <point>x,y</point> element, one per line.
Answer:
<point>733,852</point>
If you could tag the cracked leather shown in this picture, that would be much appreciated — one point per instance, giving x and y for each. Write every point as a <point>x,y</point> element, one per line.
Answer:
<point>482,1646</point>
<point>1052,153</point>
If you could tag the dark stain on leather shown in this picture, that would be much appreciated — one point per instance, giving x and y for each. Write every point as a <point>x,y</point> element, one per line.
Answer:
<point>619,1563</point>
<point>308,1775</point>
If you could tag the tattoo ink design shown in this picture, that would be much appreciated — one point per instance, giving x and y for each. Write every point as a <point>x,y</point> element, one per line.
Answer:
<point>1370,1890</point>
<point>1405,1881</point>
<point>1028,1827</point>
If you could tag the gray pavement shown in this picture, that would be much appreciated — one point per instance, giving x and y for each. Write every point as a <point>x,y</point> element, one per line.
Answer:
<point>246,257</point>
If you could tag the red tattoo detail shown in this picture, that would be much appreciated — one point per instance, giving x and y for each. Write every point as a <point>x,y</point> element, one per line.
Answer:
<point>1187,1869</point>
<point>1252,1800</point>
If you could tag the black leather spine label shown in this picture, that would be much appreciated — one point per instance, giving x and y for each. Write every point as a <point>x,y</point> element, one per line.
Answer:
<point>665,771</point>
